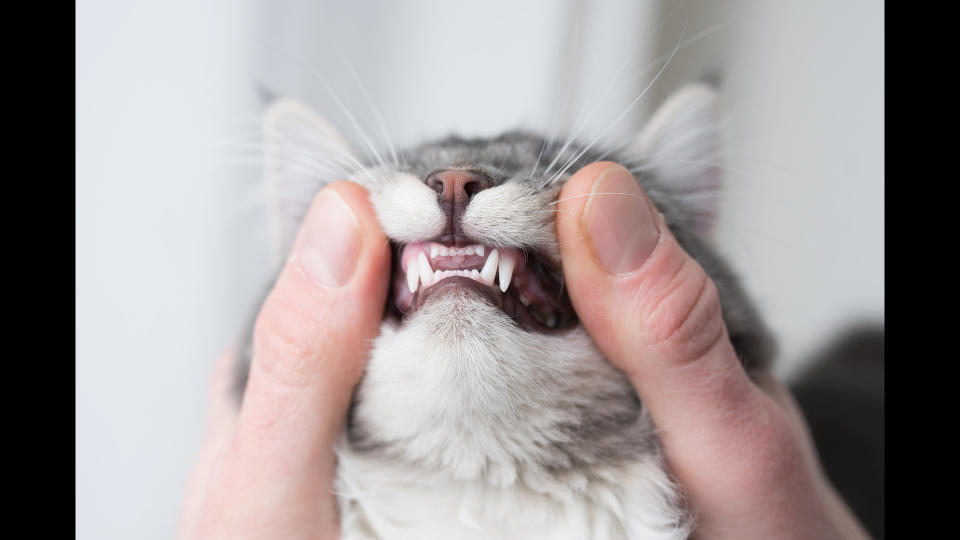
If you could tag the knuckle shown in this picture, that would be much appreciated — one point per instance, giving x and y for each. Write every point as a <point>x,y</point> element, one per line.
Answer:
<point>685,312</point>
<point>283,344</point>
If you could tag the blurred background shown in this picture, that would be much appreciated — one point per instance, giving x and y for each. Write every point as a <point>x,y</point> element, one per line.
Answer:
<point>171,223</point>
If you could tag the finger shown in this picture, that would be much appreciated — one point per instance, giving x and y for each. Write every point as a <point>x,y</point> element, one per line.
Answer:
<point>221,405</point>
<point>652,310</point>
<point>312,338</point>
<point>220,418</point>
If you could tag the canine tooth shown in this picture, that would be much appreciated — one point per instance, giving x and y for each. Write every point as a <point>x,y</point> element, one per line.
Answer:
<point>413,276</point>
<point>490,268</point>
<point>426,273</point>
<point>506,272</point>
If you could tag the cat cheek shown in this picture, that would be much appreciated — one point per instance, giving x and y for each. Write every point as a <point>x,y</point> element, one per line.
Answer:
<point>407,209</point>
<point>510,215</point>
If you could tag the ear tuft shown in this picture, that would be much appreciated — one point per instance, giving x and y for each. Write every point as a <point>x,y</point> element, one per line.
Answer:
<point>680,146</point>
<point>303,152</point>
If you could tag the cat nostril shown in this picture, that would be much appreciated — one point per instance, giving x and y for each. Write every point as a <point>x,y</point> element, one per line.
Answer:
<point>435,184</point>
<point>458,186</point>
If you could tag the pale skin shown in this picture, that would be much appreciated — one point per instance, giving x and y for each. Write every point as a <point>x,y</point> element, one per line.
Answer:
<point>739,447</point>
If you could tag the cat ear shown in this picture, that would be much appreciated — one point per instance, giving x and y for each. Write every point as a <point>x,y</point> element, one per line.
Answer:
<point>303,152</point>
<point>680,147</point>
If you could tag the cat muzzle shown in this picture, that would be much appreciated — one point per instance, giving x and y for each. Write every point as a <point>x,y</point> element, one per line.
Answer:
<point>509,278</point>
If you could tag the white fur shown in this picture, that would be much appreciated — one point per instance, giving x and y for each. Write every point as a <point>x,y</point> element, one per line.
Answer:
<point>406,208</point>
<point>380,499</point>
<point>470,405</point>
<point>512,214</point>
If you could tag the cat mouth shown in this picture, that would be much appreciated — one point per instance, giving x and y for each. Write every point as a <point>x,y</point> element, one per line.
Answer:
<point>517,282</point>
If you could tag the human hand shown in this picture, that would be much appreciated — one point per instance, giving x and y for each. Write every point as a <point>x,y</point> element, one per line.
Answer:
<point>739,447</point>
<point>268,471</point>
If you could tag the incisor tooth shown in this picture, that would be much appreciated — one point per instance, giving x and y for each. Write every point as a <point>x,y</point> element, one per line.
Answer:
<point>490,268</point>
<point>506,272</point>
<point>479,250</point>
<point>426,273</point>
<point>413,275</point>
<point>433,251</point>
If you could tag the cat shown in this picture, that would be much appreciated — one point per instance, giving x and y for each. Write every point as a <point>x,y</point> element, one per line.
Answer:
<point>486,410</point>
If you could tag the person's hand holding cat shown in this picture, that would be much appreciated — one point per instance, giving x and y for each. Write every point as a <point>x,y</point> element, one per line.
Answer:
<point>740,450</point>
<point>268,472</point>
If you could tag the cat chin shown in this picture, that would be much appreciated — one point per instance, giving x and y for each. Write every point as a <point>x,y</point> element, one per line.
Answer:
<point>455,329</point>
<point>442,385</point>
<point>461,408</point>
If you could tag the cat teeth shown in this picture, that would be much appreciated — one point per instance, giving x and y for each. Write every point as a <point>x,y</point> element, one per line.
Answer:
<point>426,273</point>
<point>507,265</point>
<point>443,274</point>
<point>413,275</point>
<point>438,250</point>
<point>489,271</point>
<point>421,273</point>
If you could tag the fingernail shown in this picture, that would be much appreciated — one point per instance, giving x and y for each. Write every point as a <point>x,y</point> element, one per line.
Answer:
<point>330,241</point>
<point>618,220</point>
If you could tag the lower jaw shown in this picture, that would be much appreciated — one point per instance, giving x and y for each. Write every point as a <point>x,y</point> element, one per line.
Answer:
<point>507,303</point>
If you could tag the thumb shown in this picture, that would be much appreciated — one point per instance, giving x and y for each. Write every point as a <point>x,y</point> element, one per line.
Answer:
<point>743,456</point>
<point>311,342</point>
<point>652,309</point>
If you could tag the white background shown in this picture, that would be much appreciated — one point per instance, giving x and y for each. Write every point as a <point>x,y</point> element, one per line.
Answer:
<point>171,247</point>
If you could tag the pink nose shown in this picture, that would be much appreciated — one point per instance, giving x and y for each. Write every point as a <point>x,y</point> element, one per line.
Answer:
<point>457,187</point>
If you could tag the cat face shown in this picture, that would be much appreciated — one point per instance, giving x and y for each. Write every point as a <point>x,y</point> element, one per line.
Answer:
<point>479,330</point>
<point>478,214</point>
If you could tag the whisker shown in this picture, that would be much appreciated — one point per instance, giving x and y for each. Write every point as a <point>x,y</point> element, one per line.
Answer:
<point>622,114</point>
<point>598,193</point>
<point>373,108</point>
<point>336,98</point>
<point>609,87</point>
